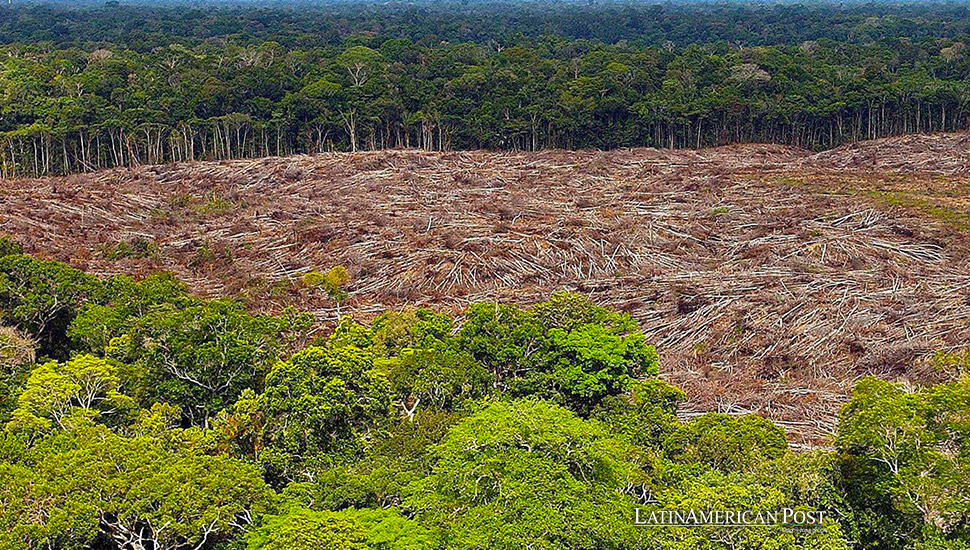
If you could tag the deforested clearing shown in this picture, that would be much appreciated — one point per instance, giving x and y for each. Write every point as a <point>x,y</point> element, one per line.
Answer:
<point>770,278</point>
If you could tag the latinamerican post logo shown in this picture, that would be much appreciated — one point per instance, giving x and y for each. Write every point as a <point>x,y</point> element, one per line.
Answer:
<point>786,518</point>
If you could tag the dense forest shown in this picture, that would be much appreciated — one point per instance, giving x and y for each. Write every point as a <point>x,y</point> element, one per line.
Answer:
<point>137,417</point>
<point>85,88</point>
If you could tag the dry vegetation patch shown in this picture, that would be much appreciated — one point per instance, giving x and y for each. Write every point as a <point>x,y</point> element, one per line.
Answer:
<point>769,278</point>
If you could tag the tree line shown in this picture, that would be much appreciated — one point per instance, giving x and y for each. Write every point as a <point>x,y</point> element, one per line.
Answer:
<point>79,107</point>
<point>144,26</point>
<point>134,416</point>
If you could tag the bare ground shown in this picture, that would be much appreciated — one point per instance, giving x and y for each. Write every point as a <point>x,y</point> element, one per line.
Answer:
<point>769,278</point>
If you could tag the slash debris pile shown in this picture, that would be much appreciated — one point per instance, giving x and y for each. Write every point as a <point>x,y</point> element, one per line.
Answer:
<point>940,153</point>
<point>770,279</point>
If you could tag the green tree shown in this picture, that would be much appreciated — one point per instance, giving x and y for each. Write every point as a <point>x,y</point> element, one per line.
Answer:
<point>9,247</point>
<point>140,492</point>
<point>906,460</point>
<point>54,391</point>
<point>726,443</point>
<point>303,529</point>
<point>647,414</point>
<point>41,298</point>
<point>96,324</point>
<point>566,349</point>
<point>713,490</point>
<point>395,457</point>
<point>332,282</point>
<point>314,408</point>
<point>199,355</point>
<point>306,530</point>
<point>439,378</point>
<point>528,474</point>
<point>422,328</point>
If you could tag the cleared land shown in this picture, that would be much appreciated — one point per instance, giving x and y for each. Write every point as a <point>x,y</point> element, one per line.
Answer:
<point>770,278</point>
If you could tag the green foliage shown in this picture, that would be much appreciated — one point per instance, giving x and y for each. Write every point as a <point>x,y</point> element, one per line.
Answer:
<point>713,490</point>
<point>215,206</point>
<point>199,355</point>
<point>97,323</point>
<point>567,349</point>
<point>332,282</point>
<point>812,479</point>
<point>441,379</point>
<point>567,311</point>
<point>590,363</point>
<point>92,482</point>
<point>500,474</point>
<point>937,543</point>
<point>646,415</point>
<point>953,363</point>
<point>41,298</point>
<point>306,530</point>
<point>56,391</point>
<point>302,529</point>
<point>539,428</point>
<point>726,443</point>
<point>9,247</point>
<point>907,460</point>
<point>95,86</point>
<point>395,332</point>
<point>396,458</point>
<point>318,402</point>
<point>19,493</point>
<point>135,248</point>
<point>502,338</point>
<point>349,333</point>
